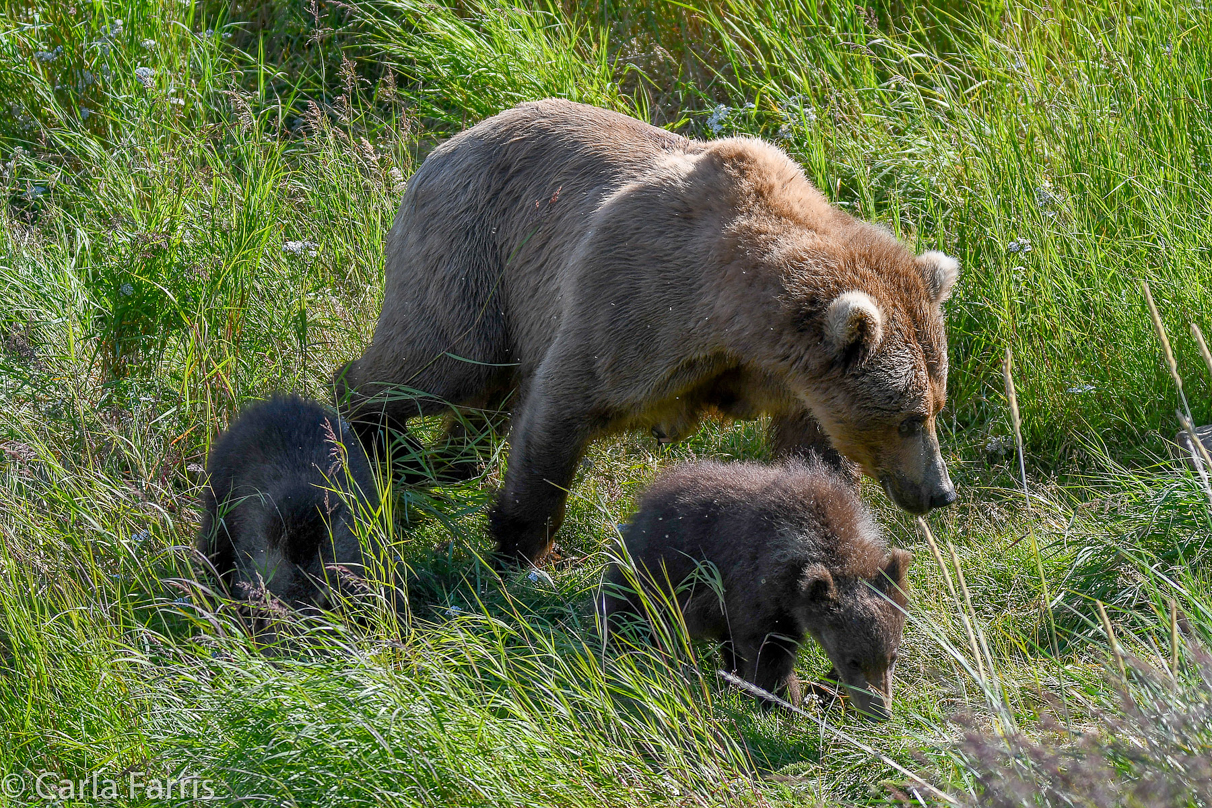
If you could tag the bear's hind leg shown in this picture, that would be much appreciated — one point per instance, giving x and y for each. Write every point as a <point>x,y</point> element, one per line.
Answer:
<point>379,405</point>
<point>470,434</point>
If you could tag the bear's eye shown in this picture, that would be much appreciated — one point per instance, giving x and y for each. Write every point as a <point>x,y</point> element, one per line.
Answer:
<point>853,663</point>
<point>911,425</point>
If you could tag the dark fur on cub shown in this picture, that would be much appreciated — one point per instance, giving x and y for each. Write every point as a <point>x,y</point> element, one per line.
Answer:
<point>272,512</point>
<point>797,554</point>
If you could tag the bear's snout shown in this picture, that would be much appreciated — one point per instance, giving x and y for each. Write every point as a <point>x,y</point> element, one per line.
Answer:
<point>873,699</point>
<point>873,708</point>
<point>918,498</point>
<point>944,497</point>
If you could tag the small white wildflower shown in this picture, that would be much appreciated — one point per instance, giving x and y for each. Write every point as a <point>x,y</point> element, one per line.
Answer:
<point>115,28</point>
<point>1043,194</point>
<point>1078,389</point>
<point>1019,245</point>
<point>208,33</point>
<point>795,111</point>
<point>718,116</point>
<point>300,248</point>
<point>178,102</point>
<point>454,611</point>
<point>539,577</point>
<point>84,113</point>
<point>50,55</point>
<point>150,44</point>
<point>398,185</point>
<point>146,76</point>
<point>997,445</point>
<point>126,290</point>
<point>784,132</point>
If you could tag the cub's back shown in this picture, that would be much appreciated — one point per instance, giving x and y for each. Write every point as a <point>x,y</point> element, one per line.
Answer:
<point>746,518</point>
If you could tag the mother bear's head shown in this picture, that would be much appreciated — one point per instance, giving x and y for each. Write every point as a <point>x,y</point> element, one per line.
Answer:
<point>867,352</point>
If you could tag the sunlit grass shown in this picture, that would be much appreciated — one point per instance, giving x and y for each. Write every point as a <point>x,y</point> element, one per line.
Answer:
<point>180,241</point>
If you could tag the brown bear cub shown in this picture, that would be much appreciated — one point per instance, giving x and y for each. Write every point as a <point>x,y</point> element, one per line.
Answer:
<point>797,554</point>
<point>288,484</point>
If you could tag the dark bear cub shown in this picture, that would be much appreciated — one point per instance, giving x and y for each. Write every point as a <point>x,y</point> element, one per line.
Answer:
<point>797,554</point>
<point>287,484</point>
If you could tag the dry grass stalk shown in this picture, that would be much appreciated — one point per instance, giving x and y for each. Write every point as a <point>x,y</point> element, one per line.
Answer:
<point>1115,652</point>
<point>1016,419</point>
<point>1203,346</point>
<point>766,695</point>
<point>938,557</point>
<point>1173,639</point>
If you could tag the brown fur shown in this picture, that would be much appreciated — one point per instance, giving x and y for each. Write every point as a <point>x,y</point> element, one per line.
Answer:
<point>796,553</point>
<point>619,276</point>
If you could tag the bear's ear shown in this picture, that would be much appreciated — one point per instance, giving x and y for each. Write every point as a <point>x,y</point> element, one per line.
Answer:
<point>816,584</point>
<point>892,576</point>
<point>941,272</point>
<point>854,320</point>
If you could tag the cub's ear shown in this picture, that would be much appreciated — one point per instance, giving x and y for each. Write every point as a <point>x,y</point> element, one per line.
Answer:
<point>853,320</point>
<point>941,272</point>
<point>816,584</point>
<point>892,576</point>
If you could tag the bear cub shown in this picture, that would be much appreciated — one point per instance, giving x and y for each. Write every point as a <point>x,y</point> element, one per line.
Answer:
<point>287,485</point>
<point>797,555</point>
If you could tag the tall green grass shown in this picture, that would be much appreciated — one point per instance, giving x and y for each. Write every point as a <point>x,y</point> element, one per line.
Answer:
<point>1058,151</point>
<point>176,242</point>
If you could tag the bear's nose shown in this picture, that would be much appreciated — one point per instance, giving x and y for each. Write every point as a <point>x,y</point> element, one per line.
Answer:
<point>876,709</point>
<point>943,498</point>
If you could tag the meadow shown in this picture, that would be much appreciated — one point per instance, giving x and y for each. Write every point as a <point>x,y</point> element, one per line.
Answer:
<point>195,196</point>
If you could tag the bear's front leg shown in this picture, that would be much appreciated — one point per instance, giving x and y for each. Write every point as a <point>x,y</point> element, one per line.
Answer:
<point>770,664</point>
<point>547,441</point>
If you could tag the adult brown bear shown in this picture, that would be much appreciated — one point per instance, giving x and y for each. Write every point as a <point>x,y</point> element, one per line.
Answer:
<point>603,274</point>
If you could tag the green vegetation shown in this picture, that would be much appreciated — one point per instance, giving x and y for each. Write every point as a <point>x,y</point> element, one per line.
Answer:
<point>194,203</point>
